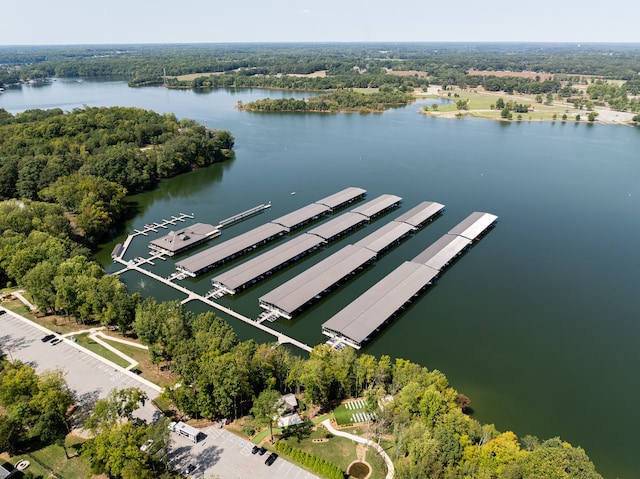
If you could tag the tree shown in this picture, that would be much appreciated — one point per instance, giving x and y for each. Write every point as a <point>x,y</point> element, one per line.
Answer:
<point>434,107</point>
<point>593,115</point>
<point>117,406</point>
<point>538,98</point>
<point>499,104</point>
<point>505,113</point>
<point>266,407</point>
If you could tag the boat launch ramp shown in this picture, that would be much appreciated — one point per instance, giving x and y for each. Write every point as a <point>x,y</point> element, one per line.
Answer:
<point>366,315</point>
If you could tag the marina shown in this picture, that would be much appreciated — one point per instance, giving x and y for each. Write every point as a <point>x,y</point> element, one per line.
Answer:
<point>234,247</point>
<point>258,268</point>
<point>366,315</point>
<point>303,290</point>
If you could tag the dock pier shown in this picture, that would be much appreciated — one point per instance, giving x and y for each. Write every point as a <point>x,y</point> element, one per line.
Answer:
<point>245,214</point>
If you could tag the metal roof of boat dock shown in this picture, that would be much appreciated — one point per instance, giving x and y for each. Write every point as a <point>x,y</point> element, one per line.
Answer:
<point>338,225</point>
<point>443,251</point>
<point>343,197</point>
<point>251,270</point>
<point>357,321</point>
<point>383,237</point>
<point>474,225</point>
<point>377,205</point>
<point>235,246</point>
<point>184,238</point>
<point>303,288</point>
<point>301,216</point>
<point>422,213</point>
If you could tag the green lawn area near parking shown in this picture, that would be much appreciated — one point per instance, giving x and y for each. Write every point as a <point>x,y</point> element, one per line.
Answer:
<point>53,458</point>
<point>91,345</point>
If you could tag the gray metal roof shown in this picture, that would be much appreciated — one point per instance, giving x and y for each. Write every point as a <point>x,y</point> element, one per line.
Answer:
<point>473,225</point>
<point>304,287</point>
<point>440,253</point>
<point>255,267</point>
<point>342,197</point>
<point>302,215</point>
<point>377,205</point>
<point>338,225</point>
<point>380,302</point>
<point>423,212</point>
<point>385,236</point>
<point>234,246</point>
<point>185,237</point>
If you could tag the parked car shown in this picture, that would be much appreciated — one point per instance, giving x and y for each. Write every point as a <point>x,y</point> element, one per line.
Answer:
<point>56,341</point>
<point>271,459</point>
<point>188,470</point>
<point>48,337</point>
<point>261,451</point>
<point>147,445</point>
<point>255,450</point>
<point>2,311</point>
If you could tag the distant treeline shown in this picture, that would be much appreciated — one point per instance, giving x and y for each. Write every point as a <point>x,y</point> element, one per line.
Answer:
<point>444,62</point>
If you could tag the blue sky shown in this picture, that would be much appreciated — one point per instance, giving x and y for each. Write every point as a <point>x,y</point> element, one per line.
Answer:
<point>38,22</point>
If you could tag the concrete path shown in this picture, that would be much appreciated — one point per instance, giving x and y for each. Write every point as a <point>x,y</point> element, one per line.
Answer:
<point>390,469</point>
<point>18,294</point>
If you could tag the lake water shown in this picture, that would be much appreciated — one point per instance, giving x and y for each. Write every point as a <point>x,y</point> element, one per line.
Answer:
<point>538,323</point>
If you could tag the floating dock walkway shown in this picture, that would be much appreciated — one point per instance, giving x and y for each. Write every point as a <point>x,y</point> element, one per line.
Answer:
<point>245,214</point>
<point>366,315</point>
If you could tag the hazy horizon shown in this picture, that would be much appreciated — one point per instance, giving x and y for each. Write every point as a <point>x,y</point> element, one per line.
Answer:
<point>70,22</point>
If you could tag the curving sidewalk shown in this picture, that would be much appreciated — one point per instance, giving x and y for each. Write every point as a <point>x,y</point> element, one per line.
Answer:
<point>390,469</point>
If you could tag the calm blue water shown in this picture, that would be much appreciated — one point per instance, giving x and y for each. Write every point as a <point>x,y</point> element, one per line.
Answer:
<point>538,324</point>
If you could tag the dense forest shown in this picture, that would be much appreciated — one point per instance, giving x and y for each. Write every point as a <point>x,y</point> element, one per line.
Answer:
<point>64,180</point>
<point>432,433</point>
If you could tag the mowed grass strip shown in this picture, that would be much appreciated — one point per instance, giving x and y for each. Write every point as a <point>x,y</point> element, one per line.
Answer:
<point>337,450</point>
<point>91,345</point>
<point>149,371</point>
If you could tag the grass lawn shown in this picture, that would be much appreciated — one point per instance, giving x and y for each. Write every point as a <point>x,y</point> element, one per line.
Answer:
<point>193,76</point>
<point>90,344</point>
<point>150,371</point>
<point>18,307</point>
<point>338,450</point>
<point>52,458</point>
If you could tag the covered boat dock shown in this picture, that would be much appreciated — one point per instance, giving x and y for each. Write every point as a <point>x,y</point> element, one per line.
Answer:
<point>234,247</point>
<point>181,240</point>
<point>365,316</point>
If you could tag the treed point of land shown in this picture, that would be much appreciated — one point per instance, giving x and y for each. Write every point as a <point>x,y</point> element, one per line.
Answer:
<point>64,180</point>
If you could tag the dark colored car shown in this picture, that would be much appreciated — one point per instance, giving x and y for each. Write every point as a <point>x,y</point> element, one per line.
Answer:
<point>255,449</point>
<point>261,451</point>
<point>2,311</point>
<point>56,341</point>
<point>189,469</point>
<point>271,459</point>
<point>48,337</point>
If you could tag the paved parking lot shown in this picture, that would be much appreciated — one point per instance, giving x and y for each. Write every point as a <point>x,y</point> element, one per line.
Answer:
<point>218,453</point>
<point>228,456</point>
<point>91,378</point>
